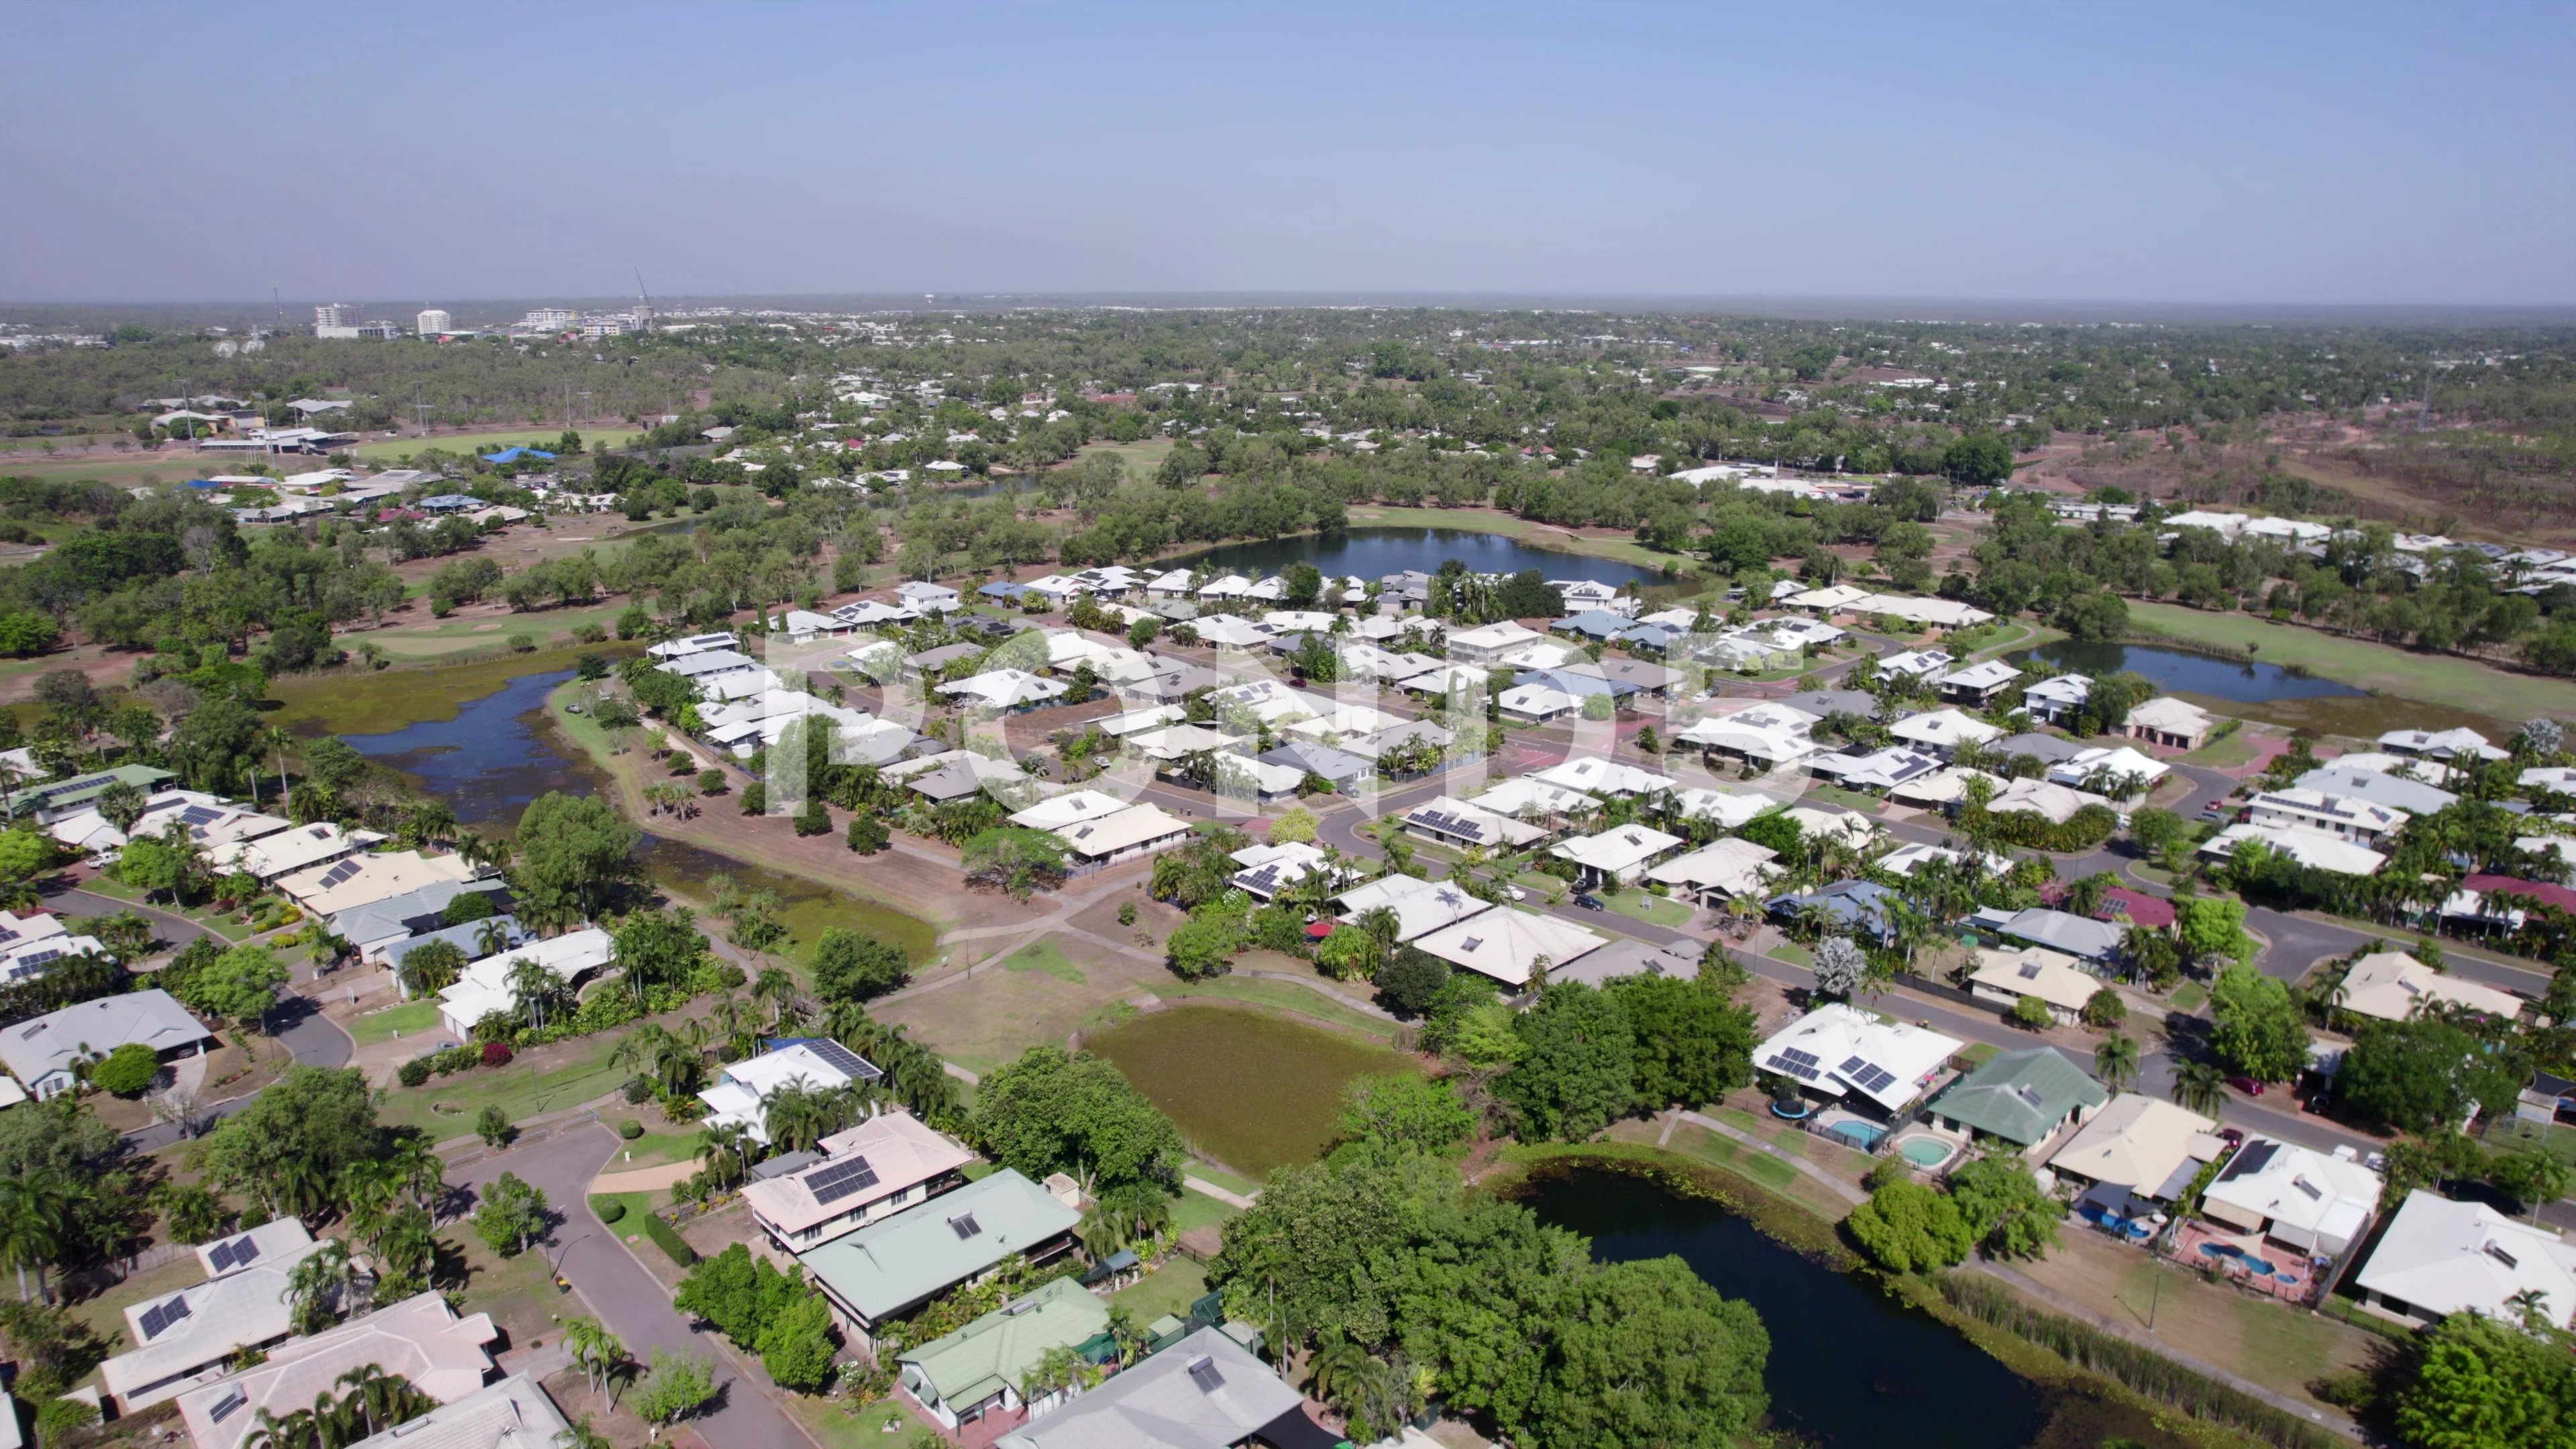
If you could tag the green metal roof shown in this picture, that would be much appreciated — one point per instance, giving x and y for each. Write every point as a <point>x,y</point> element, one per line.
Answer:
<point>2021,1096</point>
<point>887,1267</point>
<point>1002,1347</point>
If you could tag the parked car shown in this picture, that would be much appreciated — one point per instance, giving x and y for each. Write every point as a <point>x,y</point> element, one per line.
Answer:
<point>1588,901</point>
<point>1516,893</point>
<point>2232,1136</point>
<point>2247,1085</point>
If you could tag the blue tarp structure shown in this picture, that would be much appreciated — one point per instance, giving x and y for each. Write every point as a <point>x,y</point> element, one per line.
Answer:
<point>203,483</point>
<point>512,455</point>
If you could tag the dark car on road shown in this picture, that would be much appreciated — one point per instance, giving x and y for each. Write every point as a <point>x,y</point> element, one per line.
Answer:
<point>1588,901</point>
<point>2247,1085</point>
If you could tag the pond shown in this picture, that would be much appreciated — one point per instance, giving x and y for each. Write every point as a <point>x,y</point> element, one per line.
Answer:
<point>1373,553</point>
<point>1851,1367</point>
<point>2265,692</point>
<point>501,751</point>
<point>1253,1090</point>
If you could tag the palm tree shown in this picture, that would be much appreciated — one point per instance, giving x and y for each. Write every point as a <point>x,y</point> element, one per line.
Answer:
<point>796,1115</point>
<point>778,989</point>
<point>424,1172</point>
<point>277,741</point>
<point>2200,1087</point>
<point>658,1054</point>
<point>429,823</point>
<point>315,1286</point>
<point>2115,1061</point>
<point>492,937</point>
<point>726,1151</point>
<point>597,1350</point>
<point>297,1430</point>
<point>534,984</point>
<point>35,1212</point>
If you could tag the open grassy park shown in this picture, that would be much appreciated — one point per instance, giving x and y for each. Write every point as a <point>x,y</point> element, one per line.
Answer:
<point>2443,679</point>
<point>1254,1090</point>
<point>386,451</point>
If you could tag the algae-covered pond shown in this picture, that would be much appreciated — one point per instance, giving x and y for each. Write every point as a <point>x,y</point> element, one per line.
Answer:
<point>1253,1090</point>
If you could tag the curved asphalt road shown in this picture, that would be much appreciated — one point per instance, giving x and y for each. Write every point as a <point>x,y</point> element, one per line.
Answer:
<point>315,1039</point>
<point>630,1301</point>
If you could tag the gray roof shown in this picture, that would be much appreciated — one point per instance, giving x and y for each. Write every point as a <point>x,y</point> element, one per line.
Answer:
<point>945,655</point>
<point>2076,935</point>
<point>94,1028</point>
<point>1822,702</point>
<point>466,938</point>
<point>888,1267</point>
<point>2020,1096</point>
<point>410,912</point>
<point>1339,766</point>
<point>2394,792</point>
<point>2055,749</point>
<point>1203,1392</point>
<point>1624,957</point>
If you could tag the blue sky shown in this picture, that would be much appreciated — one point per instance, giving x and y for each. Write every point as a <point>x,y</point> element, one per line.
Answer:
<point>2276,153</point>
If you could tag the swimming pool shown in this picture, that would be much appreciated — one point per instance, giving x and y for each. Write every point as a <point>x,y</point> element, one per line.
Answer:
<point>2259,1267</point>
<point>1926,1151</point>
<point>1864,1135</point>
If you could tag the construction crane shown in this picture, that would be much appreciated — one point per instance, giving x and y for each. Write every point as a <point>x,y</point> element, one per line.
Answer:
<point>644,300</point>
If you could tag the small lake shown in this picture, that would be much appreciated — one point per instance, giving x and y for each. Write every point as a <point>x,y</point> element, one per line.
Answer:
<point>1373,553</point>
<point>1851,1366</point>
<point>502,751</point>
<point>1253,1090</point>
<point>2266,692</point>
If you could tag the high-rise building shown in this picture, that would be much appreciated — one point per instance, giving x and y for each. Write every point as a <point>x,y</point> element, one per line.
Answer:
<point>335,314</point>
<point>435,323</point>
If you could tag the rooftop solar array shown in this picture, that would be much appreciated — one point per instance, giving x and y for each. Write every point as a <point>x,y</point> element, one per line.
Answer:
<point>338,873</point>
<point>1872,1078</point>
<point>231,1255</point>
<point>1799,1064</point>
<point>835,1181</point>
<point>847,1062</point>
<point>196,815</point>
<point>1448,824</point>
<point>158,1318</point>
<point>7,935</point>
<point>965,1226</point>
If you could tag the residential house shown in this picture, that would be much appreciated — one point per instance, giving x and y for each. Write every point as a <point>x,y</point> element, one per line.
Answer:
<point>2444,745</point>
<point>2393,986</point>
<point>2440,1257</point>
<point>1626,957</point>
<point>1819,703</point>
<point>2136,1152</point>
<point>2007,976</point>
<point>207,820</point>
<point>2052,802</point>
<point>2305,847</point>
<point>1606,778</point>
<point>860,1175</point>
<point>490,985</point>
<point>953,774</point>
<point>1977,684</point>
<point>976,1372</point>
<point>1769,735</point>
<point>1879,770</point>
<point>52,802</point>
<point>1340,769</point>
<point>1849,826</point>
<point>375,928</point>
<point>1618,856</point>
<point>1490,643</point>
<point>2056,699</point>
<point>1580,594</point>
<point>512,1414</point>
<point>891,1267</point>
<point>1531,799</point>
<point>189,1337</point>
<point>419,1340</point>
<point>2078,936</point>
<point>2395,792</point>
<point>2045,749</point>
<point>2314,1203</point>
<point>2024,1097</point>
<point>1406,745</point>
<point>1629,677</point>
<point>1073,807</point>
<point>1270,869</point>
<point>1842,1053</point>
<point>286,852</point>
<point>2124,907</point>
<point>1537,704</point>
<point>1727,808</point>
<point>1203,1392</point>
<point>1005,691</point>
<point>363,880</point>
<point>1420,906</point>
<point>42,1053</point>
<point>1505,943</point>
<point>1138,830</point>
<point>2174,723</point>
<point>740,1096</point>
<point>1449,821</point>
<point>2357,821</point>
<point>927,597</point>
<point>2119,772</point>
<point>1942,731</point>
<point>1719,872</point>
<point>1916,663</point>
<point>1852,906</point>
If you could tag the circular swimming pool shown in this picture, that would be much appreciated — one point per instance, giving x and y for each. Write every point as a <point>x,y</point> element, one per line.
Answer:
<point>1926,1151</point>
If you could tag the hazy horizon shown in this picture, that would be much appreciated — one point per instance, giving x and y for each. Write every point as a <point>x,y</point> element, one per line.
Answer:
<point>2204,159</point>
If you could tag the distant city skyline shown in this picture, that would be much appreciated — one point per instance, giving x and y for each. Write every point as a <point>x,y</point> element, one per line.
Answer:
<point>2281,156</point>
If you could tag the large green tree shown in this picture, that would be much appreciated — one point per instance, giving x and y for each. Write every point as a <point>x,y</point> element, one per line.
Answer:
<point>849,966</point>
<point>289,1147</point>
<point>572,849</point>
<point>1053,1111</point>
<point>2421,1074</point>
<point>1906,1227</point>
<point>1693,1046</point>
<point>1579,1075</point>
<point>2257,1027</point>
<point>2480,1384</point>
<point>1647,1356</point>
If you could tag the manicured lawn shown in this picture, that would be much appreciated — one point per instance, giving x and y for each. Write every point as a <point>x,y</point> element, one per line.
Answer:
<point>446,1107</point>
<point>1794,954</point>
<point>1726,1152</point>
<point>1646,906</point>
<point>2434,678</point>
<point>1848,799</point>
<point>2189,996</point>
<point>1981,1051</point>
<point>2514,1134</point>
<point>637,1204</point>
<point>1198,1210</point>
<point>481,444</point>
<point>1044,956</point>
<point>223,926</point>
<point>2236,747</point>
<point>410,1019</point>
<point>1235,1183</point>
<point>1171,1289</point>
<point>654,1148</point>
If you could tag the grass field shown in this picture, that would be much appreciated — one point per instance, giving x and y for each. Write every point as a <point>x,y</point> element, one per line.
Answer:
<point>1537,535</point>
<point>386,450</point>
<point>445,1107</point>
<point>1044,956</point>
<point>1653,909</point>
<point>2433,678</point>
<point>1170,1289</point>
<point>360,702</point>
<point>1254,1090</point>
<point>410,1019</point>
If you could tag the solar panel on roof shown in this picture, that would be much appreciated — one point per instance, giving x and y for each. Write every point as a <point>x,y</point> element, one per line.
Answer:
<point>847,1062</point>
<point>7,935</point>
<point>1799,1056</point>
<point>1804,1071</point>
<point>38,958</point>
<point>200,815</point>
<point>838,1180</point>
<point>221,1257</point>
<point>1851,1064</point>
<point>232,1400</point>
<point>1874,1079</point>
<point>965,1226</point>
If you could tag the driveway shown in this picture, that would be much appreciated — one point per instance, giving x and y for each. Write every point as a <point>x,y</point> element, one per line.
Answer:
<point>633,1303</point>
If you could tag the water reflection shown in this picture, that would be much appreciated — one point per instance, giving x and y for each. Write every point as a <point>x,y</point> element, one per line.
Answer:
<point>2267,692</point>
<point>1373,553</point>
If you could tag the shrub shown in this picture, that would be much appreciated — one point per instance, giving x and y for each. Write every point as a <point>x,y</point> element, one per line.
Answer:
<point>1126,913</point>
<point>630,1129</point>
<point>639,1090</point>
<point>755,798</point>
<point>2032,1013</point>
<point>814,819</point>
<point>591,634</point>
<point>2105,1011</point>
<point>496,1054</point>
<point>127,1070</point>
<point>414,1073</point>
<point>711,782</point>
<point>609,1211</point>
<point>522,644</point>
<point>669,1240</point>
<point>868,834</point>
<point>492,1124</point>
